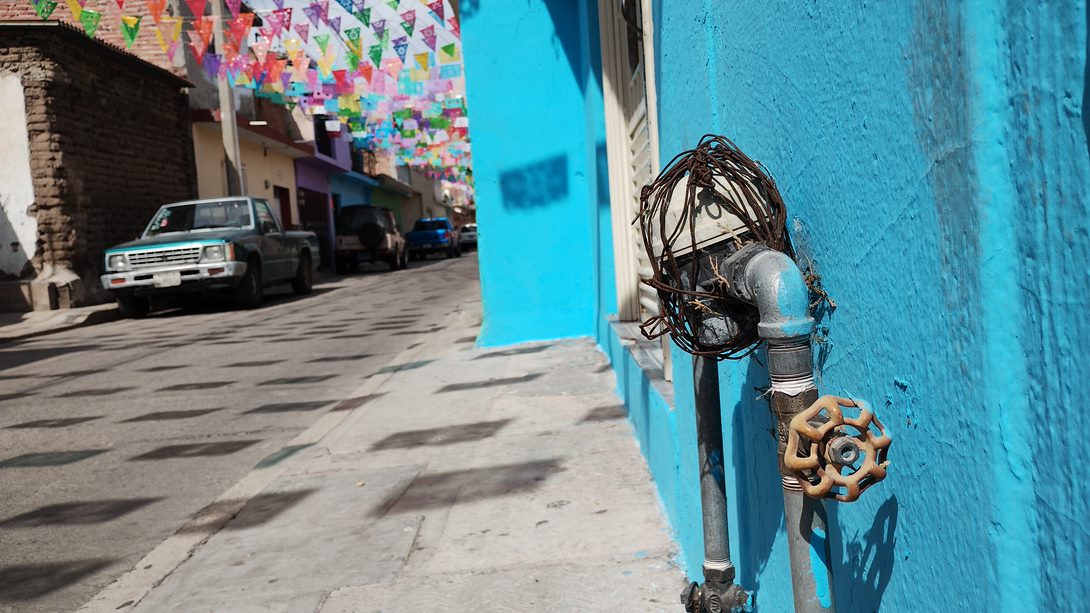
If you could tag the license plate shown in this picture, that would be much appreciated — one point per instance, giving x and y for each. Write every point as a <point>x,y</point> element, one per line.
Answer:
<point>167,279</point>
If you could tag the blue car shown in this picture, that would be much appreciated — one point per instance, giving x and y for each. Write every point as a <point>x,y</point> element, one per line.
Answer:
<point>433,235</point>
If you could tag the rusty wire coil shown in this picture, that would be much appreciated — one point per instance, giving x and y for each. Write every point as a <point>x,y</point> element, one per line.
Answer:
<point>717,171</point>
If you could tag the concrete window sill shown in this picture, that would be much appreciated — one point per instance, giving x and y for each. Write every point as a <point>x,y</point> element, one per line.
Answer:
<point>647,354</point>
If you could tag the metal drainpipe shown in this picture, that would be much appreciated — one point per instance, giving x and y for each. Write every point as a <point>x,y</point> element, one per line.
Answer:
<point>773,282</point>
<point>718,569</point>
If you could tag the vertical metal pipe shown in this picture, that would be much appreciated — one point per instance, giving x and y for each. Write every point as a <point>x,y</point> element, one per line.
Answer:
<point>793,391</point>
<point>236,184</point>
<point>718,568</point>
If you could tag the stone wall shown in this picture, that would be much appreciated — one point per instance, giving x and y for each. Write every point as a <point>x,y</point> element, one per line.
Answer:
<point>110,141</point>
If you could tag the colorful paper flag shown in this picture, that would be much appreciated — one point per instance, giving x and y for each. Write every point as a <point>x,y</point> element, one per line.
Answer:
<point>375,53</point>
<point>303,30</point>
<point>203,27</point>
<point>90,18</point>
<point>76,6</point>
<point>429,36</point>
<point>130,27</point>
<point>408,22</point>
<point>455,29</point>
<point>379,26</point>
<point>323,41</point>
<point>335,25</point>
<point>449,53</point>
<point>401,47</point>
<point>120,4</point>
<point>436,10</point>
<point>234,7</point>
<point>212,63</point>
<point>45,8</point>
<point>423,60</point>
<point>197,7</point>
<point>155,9</point>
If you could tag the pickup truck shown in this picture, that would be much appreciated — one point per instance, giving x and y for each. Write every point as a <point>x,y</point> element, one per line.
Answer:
<point>371,233</point>
<point>433,235</point>
<point>231,245</point>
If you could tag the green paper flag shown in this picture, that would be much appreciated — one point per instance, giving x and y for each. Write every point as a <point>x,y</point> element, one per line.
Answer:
<point>393,3</point>
<point>353,34</point>
<point>130,26</point>
<point>449,49</point>
<point>90,19</point>
<point>322,40</point>
<point>45,8</point>
<point>409,27</point>
<point>376,55</point>
<point>364,16</point>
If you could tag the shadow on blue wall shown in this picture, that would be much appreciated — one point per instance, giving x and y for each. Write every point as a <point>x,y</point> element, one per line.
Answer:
<point>756,475</point>
<point>537,184</point>
<point>601,168</point>
<point>469,8</point>
<point>867,565</point>
<point>566,22</point>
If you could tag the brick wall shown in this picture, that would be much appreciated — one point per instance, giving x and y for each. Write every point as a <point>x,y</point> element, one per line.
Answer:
<point>110,141</point>
<point>146,46</point>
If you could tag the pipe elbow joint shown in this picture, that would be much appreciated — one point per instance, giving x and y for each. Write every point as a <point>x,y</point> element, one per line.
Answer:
<point>773,282</point>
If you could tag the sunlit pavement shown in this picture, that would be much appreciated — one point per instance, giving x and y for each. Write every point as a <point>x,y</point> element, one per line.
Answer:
<point>112,437</point>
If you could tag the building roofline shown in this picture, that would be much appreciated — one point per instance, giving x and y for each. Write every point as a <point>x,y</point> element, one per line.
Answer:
<point>66,29</point>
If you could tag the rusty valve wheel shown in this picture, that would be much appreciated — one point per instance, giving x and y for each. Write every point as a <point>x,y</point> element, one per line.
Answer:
<point>819,449</point>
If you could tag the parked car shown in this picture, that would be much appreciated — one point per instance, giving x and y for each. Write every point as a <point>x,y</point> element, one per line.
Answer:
<point>369,232</point>
<point>468,235</point>
<point>229,245</point>
<point>433,235</point>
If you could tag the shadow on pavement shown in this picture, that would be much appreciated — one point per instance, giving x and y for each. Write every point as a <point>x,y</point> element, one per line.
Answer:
<point>77,513</point>
<point>30,581</point>
<point>445,435</point>
<point>461,486</point>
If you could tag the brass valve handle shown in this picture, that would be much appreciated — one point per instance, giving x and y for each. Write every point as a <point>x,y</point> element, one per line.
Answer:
<point>819,449</point>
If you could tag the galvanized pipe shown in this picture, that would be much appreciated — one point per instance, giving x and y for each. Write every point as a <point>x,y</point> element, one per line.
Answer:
<point>713,497</point>
<point>772,281</point>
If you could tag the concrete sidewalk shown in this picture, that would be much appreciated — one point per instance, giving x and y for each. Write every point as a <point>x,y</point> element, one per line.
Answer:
<point>14,326</point>
<point>457,479</point>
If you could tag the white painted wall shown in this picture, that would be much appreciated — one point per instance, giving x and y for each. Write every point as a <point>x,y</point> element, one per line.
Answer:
<point>16,183</point>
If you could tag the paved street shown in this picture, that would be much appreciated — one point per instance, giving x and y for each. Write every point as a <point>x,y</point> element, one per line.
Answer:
<point>114,436</point>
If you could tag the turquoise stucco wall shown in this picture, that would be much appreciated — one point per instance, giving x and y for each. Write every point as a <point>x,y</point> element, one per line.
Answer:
<point>933,157</point>
<point>536,116</point>
<point>934,160</point>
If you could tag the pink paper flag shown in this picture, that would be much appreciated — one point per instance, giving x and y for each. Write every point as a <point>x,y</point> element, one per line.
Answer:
<point>303,30</point>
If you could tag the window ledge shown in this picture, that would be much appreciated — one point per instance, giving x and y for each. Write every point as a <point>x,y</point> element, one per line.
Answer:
<point>647,354</point>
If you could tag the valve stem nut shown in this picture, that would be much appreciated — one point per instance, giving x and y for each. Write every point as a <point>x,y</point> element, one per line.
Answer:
<point>843,450</point>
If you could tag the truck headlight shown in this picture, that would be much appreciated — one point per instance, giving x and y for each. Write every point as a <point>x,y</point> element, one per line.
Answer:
<point>217,253</point>
<point>116,262</point>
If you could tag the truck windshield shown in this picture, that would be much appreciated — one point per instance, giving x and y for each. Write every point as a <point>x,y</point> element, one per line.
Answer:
<point>430,225</point>
<point>353,218</point>
<point>200,216</point>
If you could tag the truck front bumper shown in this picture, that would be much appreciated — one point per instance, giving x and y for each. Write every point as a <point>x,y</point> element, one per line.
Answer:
<point>194,278</point>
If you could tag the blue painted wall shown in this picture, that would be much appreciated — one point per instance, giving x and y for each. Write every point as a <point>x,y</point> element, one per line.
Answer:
<point>535,107</point>
<point>935,163</point>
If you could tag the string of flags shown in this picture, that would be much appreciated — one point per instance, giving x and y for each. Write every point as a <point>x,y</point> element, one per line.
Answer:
<point>390,71</point>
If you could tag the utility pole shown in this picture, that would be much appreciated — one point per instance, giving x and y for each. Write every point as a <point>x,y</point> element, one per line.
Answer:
<point>236,185</point>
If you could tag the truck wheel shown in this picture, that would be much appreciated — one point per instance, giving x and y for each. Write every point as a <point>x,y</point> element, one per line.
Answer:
<point>450,252</point>
<point>133,307</point>
<point>458,251</point>
<point>404,259</point>
<point>394,262</point>
<point>304,277</point>
<point>248,292</point>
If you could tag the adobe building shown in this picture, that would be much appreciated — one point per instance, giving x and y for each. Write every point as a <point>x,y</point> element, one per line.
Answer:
<point>92,141</point>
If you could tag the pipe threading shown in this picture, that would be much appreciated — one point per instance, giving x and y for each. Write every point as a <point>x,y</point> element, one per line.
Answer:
<point>791,484</point>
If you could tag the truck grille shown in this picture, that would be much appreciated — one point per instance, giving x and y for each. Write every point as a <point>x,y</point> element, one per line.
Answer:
<point>180,255</point>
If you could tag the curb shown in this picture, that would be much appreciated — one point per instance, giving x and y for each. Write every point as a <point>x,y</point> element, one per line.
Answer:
<point>91,318</point>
